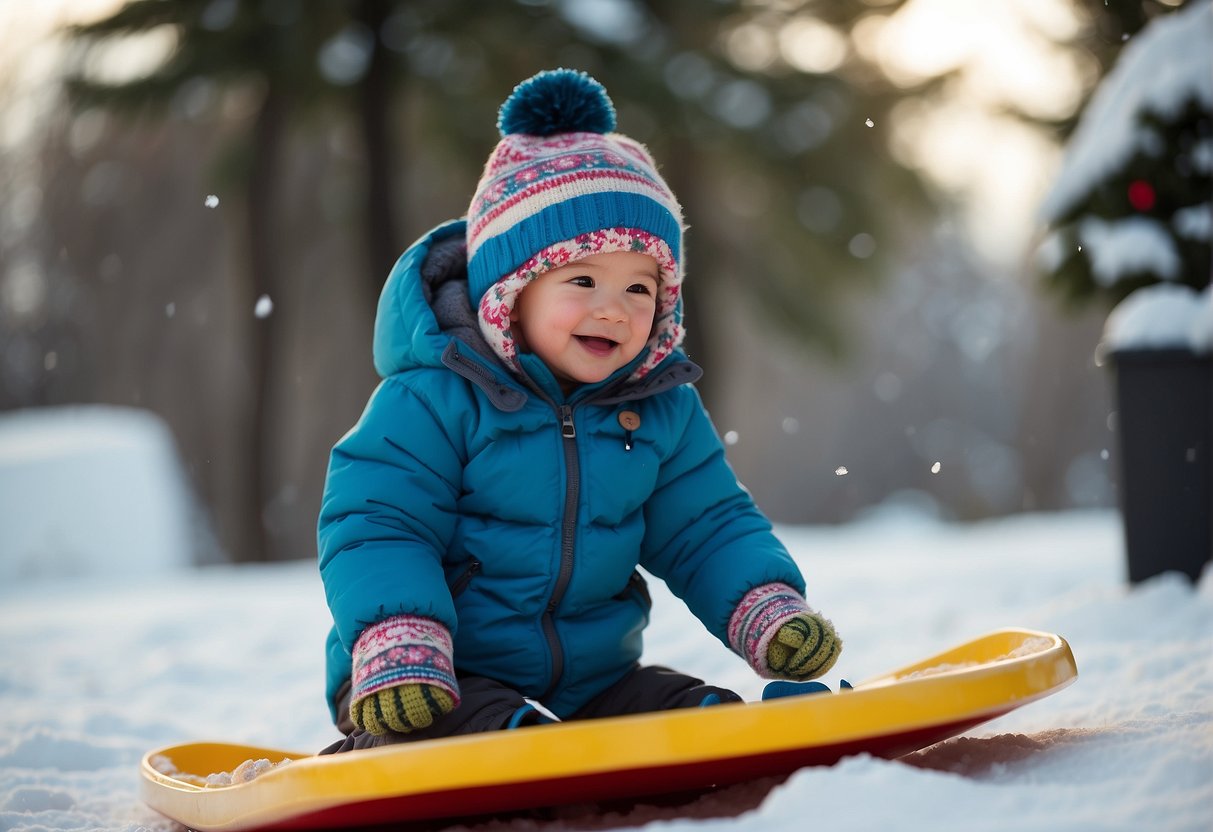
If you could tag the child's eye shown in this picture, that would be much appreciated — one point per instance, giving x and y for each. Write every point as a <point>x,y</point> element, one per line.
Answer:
<point>585,281</point>
<point>640,289</point>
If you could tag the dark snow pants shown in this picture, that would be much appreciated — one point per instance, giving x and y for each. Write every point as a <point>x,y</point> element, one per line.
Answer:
<point>488,705</point>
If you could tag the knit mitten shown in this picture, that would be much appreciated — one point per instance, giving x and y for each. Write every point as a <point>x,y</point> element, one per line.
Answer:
<point>779,636</point>
<point>805,647</point>
<point>403,675</point>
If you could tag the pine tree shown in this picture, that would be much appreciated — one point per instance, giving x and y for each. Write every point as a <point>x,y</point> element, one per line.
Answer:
<point>1131,207</point>
<point>789,191</point>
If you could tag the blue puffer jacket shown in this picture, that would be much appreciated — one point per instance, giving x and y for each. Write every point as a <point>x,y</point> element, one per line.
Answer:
<point>516,517</point>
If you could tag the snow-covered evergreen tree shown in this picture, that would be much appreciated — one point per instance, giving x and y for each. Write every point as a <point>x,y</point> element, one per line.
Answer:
<point>1131,205</point>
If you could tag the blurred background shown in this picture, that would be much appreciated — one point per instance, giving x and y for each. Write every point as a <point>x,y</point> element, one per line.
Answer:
<point>200,199</point>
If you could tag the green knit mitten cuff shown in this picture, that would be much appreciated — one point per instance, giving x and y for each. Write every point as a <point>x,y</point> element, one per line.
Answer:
<point>403,708</point>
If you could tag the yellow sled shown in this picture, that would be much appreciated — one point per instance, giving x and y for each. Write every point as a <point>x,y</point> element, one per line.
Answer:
<point>607,759</point>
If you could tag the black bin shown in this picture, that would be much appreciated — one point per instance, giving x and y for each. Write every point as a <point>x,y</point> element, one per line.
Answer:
<point>1165,425</point>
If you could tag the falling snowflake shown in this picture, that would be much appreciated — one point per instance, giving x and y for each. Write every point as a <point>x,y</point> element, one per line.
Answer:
<point>212,201</point>
<point>731,437</point>
<point>264,307</point>
<point>869,122</point>
<point>170,309</point>
<point>841,471</point>
<point>935,468</point>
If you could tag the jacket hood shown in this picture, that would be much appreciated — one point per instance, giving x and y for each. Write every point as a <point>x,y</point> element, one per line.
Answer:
<point>424,305</point>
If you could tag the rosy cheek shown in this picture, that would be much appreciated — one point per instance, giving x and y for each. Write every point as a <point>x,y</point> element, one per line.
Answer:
<point>574,309</point>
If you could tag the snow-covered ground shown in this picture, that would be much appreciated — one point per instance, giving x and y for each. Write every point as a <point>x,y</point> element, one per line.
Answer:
<point>98,668</point>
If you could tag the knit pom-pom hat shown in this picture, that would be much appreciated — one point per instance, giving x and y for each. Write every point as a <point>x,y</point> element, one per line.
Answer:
<point>561,186</point>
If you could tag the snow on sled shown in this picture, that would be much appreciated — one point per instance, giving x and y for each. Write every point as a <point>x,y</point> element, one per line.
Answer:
<point>607,759</point>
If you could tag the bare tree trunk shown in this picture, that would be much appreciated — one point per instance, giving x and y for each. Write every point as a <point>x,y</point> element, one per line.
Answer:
<point>702,262</point>
<point>251,480</point>
<point>380,147</point>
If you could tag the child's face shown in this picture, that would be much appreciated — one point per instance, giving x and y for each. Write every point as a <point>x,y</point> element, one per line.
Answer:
<point>589,318</point>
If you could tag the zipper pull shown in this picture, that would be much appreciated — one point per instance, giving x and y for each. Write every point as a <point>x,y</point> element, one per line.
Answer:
<point>567,430</point>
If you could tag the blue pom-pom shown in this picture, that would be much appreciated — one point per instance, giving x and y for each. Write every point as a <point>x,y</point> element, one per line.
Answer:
<point>557,101</point>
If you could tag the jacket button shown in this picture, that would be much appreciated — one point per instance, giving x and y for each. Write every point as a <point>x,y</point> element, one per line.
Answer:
<point>629,419</point>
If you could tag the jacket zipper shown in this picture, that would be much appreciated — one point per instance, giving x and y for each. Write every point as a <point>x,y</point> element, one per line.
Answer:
<point>568,535</point>
<point>475,369</point>
<point>465,578</point>
<point>568,432</point>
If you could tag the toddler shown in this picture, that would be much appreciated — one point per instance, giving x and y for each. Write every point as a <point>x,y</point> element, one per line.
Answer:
<point>537,437</point>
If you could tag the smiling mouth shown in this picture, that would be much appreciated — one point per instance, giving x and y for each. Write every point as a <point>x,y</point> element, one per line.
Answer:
<point>597,345</point>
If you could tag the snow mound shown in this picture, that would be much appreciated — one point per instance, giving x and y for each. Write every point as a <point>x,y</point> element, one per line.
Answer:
<point>90,491</point>
<point>246,772</point>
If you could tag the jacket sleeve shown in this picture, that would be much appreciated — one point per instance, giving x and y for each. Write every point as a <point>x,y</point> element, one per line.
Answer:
<point>703,534</point>
<point>388,515</point>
